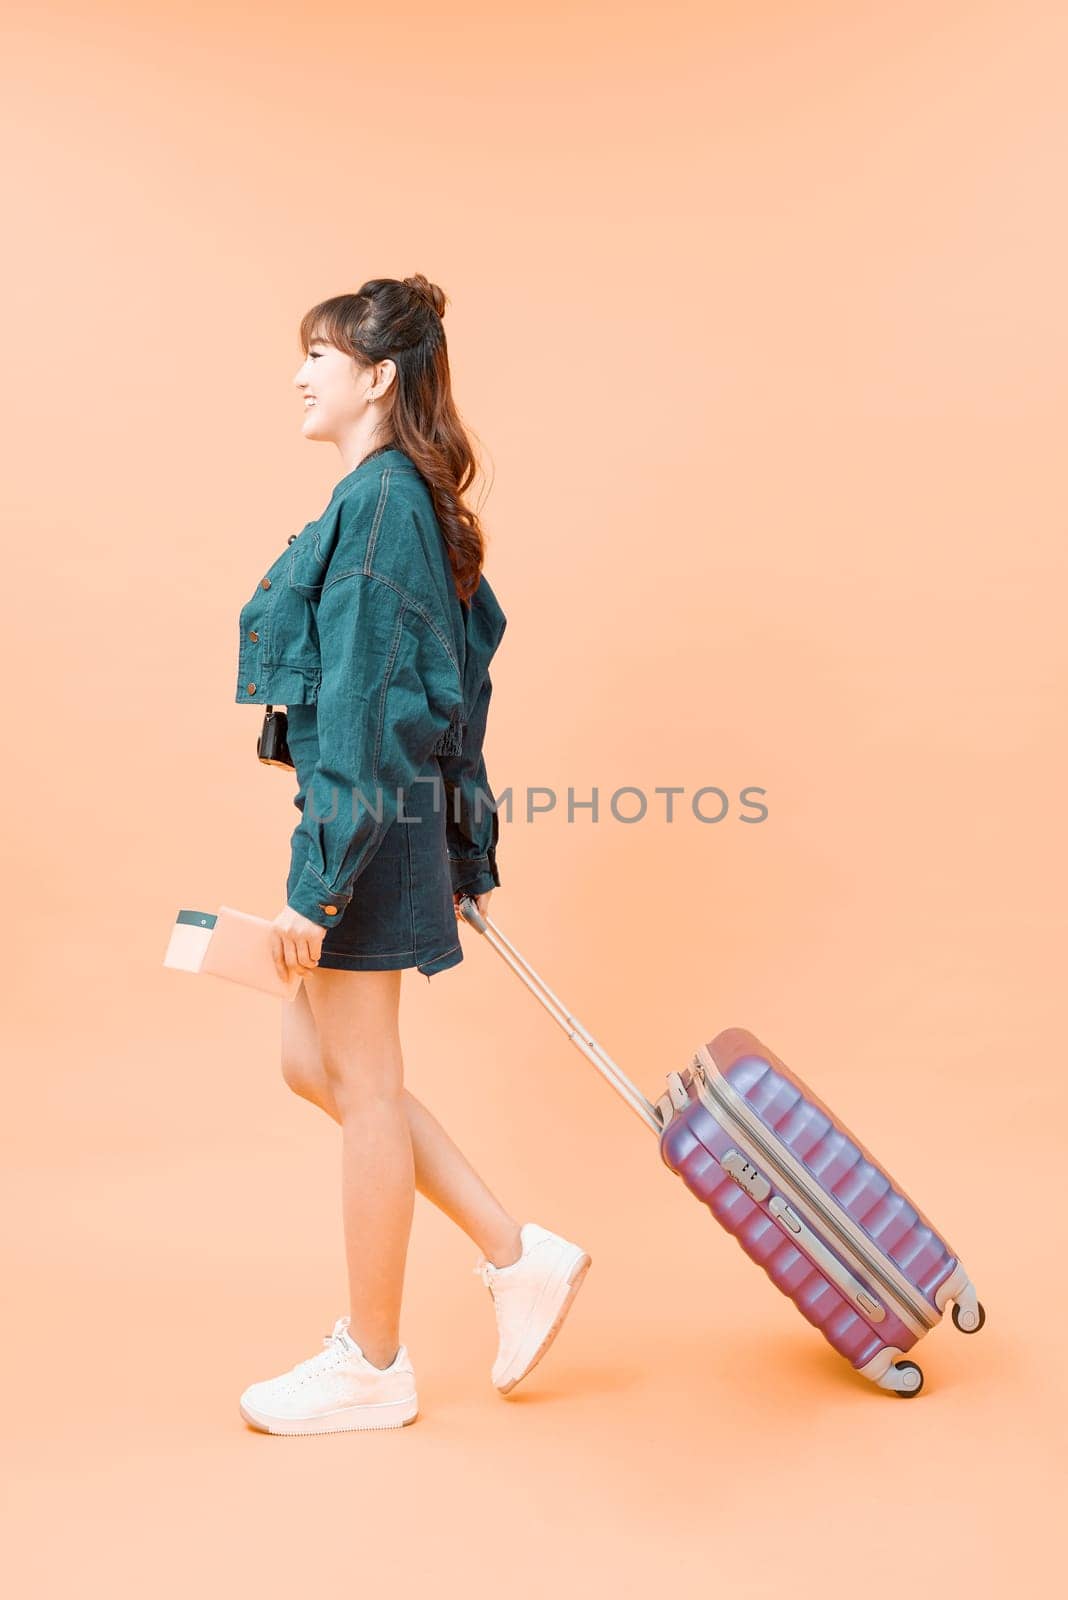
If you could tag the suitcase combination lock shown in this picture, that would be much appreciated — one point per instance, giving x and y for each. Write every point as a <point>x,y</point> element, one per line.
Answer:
<point>745,1175</point>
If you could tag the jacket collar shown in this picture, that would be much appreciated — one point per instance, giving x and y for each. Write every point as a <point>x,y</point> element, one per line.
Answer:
<point>394,459</point>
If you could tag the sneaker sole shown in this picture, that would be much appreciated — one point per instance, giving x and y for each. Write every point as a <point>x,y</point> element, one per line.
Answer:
<point>387,1414</point>
<point>574,1282</point>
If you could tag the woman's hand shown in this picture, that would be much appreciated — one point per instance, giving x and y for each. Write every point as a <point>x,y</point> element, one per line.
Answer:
<point>481,903</point>
<point>297,943</point>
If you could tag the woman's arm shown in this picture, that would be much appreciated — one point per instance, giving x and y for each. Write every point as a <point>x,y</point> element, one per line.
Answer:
<point>386,694</point>
<point>472,825</point>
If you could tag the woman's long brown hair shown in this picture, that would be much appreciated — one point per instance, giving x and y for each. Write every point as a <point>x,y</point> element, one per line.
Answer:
<point>400,319</point>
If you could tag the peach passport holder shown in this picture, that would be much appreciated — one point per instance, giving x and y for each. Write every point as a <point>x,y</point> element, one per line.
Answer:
<point>228,944</point>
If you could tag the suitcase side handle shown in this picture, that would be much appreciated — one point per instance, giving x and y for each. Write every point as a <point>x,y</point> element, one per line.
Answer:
<point>580,1036</point>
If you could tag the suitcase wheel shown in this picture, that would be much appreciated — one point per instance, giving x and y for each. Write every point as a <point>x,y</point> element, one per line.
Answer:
<point>969,1321</point>
<point>904,1378</point>
<point>911,1378</point>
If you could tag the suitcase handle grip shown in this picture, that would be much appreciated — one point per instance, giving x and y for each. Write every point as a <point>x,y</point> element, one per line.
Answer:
<point>580,1036</point>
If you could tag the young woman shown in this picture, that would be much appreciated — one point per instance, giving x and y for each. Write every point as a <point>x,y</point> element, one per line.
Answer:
<point>375,629</point>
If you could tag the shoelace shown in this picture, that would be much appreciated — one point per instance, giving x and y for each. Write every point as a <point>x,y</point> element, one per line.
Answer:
<point>331,1341</point>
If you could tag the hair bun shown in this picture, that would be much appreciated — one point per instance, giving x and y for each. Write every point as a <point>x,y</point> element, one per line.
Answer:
<point>427,291</point>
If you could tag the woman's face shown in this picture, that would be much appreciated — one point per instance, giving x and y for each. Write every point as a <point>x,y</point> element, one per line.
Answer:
<point>334,391</point>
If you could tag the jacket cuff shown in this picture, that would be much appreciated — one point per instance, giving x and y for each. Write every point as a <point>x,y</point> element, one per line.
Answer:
<point>474,874</point>
<point>313,899</point>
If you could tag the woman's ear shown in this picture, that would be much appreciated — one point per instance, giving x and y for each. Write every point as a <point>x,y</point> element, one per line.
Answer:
<point>385,372</point>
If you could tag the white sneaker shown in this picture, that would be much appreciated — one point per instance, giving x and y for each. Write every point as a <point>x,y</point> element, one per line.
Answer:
<point>336,1390</point>
<point>531,1297</point>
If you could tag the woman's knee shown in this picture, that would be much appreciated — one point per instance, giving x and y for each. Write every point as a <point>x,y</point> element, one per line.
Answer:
<point>364,1078</point>
<point>301,1074</point>
<point>302,1068</point>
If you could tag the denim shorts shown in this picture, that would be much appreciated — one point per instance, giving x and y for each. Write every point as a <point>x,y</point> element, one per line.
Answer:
<point>402,911</point>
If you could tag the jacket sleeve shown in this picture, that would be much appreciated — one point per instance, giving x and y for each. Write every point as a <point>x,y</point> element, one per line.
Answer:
<point>383,703</point>
<point>471,824</point>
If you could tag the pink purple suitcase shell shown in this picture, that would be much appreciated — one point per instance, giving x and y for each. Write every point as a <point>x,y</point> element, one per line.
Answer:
<point>813,1207</point>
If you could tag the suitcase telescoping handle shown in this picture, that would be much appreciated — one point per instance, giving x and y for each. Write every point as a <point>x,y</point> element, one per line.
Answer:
<point>580,1036</point>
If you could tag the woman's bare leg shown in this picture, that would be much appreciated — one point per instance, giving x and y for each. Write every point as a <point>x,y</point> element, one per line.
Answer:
<point>356,1020</point>
<point>442,1172</point>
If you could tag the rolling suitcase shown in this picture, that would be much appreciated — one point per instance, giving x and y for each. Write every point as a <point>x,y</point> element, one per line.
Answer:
<point>799,1192</point>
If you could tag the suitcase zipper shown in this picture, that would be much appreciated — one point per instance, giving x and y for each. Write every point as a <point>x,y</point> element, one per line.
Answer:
<point>814,1246</point>
<point>797,1188</point>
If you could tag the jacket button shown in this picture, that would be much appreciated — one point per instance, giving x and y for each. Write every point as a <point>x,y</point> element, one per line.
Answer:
<point>265,583</point>
<point>331,911</point>
<point>254,636</point>
<point>292,536</point>
<point>251,687</point>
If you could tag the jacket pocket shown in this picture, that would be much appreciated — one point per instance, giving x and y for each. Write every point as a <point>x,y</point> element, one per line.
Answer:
<point>292,639</point>
<point>306,566</point>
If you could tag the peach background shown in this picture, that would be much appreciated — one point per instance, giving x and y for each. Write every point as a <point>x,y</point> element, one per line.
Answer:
<point>758,313</point>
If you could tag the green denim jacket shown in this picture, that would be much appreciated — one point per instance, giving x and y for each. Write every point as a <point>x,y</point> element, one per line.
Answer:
<point>360,617</point>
